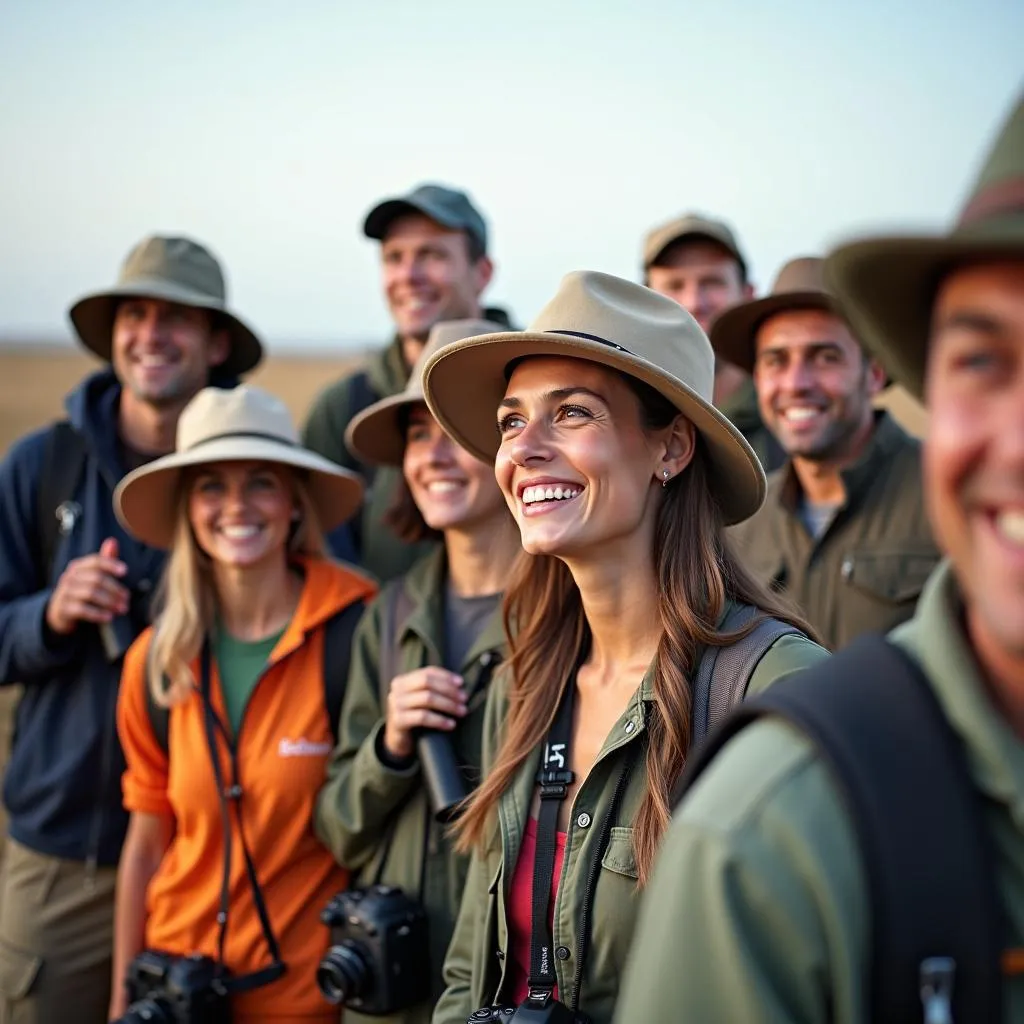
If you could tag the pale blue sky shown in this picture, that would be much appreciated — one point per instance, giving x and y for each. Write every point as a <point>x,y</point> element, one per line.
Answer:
<point>267,129</point>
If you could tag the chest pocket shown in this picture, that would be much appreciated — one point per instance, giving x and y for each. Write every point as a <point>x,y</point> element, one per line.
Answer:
<point>892,573</point>
<point>619,856</point>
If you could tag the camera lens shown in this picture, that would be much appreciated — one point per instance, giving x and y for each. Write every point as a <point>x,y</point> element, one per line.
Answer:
<point>343,974</point>
<point>148,1011</point>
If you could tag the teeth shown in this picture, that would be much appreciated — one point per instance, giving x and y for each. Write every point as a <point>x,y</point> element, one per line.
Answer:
<point>150,362</point>
<point>239,532</point>
<point>1011,525</point>
<point>800,415</point>
<point>532,495</point>
<point>443,486</point>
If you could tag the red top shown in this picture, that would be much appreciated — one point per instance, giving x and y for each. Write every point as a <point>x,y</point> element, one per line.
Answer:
<point>520,916</point>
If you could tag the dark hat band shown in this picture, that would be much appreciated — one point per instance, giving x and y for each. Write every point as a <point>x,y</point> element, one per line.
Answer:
<point>250,435</point>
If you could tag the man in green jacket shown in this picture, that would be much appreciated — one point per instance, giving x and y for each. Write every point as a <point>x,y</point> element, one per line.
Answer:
<point>843,530</point>
<point>758,909</point>
<point>434,267</point>
<point>697,261</point>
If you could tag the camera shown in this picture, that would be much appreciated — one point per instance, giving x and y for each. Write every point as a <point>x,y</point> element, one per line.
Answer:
<point>378,962</point>
<point>528,1012</point>
<point>165,989</point>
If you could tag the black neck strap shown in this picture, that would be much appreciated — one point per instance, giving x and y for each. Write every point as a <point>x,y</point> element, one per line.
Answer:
<point>231,796</point>
<point>554,779</point>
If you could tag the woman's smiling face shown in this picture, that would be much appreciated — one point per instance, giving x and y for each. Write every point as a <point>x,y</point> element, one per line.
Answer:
<point>576,464</point>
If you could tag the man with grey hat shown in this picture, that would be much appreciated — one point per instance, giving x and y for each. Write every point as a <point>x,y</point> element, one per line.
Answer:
<point>434,266</point>
<point>843,531</point>
<point>74,593</point>
<point>868,865</point>
<point>697,261</point>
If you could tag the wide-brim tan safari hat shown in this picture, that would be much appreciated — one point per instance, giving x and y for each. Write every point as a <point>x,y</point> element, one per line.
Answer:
<point>887,285</point>
<point>618,324</point>
<point>376,434</point>
<point>800,284</point>
<point>175,270</point>
<point>230,425</point>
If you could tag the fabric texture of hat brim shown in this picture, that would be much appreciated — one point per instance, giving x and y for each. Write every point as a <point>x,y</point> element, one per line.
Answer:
<point>469,414</point>
<point>146,500</point>
<point>379,219</point>
<point>375,435</point>
<point>887,287</point>
<point>733,332</point>
<point>93,319</point>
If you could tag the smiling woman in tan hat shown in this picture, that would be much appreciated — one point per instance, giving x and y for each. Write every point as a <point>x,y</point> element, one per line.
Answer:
<point>425,652</point>
<point>226,710</point>
<point>622,476</point>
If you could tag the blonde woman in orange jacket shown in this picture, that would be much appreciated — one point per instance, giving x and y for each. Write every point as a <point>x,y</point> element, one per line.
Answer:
<point>234,668</point>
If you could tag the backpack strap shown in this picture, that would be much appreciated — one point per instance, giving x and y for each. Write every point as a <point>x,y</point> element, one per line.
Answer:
<point>339,630</point>
<point>361,396</point>
<point>723,673</point>
<point>64,458</point>
<point>902,770</point>
<point>396,608</point>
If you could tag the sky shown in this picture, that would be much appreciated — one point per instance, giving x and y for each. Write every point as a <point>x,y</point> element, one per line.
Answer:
<point>268,129</point>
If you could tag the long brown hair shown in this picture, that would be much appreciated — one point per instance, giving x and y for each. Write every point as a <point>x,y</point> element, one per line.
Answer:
<point>694,580</point>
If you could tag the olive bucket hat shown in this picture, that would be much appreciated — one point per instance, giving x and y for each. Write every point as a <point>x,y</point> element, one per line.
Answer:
<point>176,270</point>
<point>887,285</point>
<point>376,434</point>
<point>230,425</point>
<point>615,323</point>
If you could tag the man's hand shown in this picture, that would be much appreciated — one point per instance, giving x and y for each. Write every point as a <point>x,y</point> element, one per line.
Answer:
<point>88,590</point>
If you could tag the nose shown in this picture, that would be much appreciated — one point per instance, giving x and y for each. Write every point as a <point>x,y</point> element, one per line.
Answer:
<point>797,376</point>
<point>151,327</point>
<point>530,445</point>
<point>442,449</point>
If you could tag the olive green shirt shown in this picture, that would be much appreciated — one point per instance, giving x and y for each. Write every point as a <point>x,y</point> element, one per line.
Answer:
<point>240,663</point>
<point>758,909</point>
<point>476,968</point>
<point>865,572</point>
<point>742,411</point>
<point>381,552</point>
<point>364,798</point>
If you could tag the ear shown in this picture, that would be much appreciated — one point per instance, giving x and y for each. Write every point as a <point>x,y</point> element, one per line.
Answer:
<point>748,292</point>
<point>483,271</point>
<point>219,347</point>
<point>875,377</point>
<point>677,450</point>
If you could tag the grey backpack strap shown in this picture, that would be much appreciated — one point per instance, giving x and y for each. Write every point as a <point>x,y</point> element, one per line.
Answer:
<point>723,673</point>
<point>397,606</point>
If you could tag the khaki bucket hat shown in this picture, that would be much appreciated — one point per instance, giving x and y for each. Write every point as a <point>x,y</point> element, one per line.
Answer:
<point>800,284</point>
<point>230,425</point>
<point>618,324</point>
<point>376,434</point>
<point>691,225</point>
<point>887,285</point>
<point>175,270</point>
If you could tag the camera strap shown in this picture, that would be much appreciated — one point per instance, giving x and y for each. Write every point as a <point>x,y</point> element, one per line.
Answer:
<point>232,795</point>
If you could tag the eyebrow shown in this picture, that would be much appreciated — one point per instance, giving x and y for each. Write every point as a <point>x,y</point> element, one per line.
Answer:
<point>554,396</point>
<point>812,349</point>
<point>971,320</point>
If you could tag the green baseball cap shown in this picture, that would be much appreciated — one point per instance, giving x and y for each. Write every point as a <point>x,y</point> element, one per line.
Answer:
<point>448,207</point>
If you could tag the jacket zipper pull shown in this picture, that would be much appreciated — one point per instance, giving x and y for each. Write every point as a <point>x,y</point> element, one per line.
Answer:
<point>937,989</point>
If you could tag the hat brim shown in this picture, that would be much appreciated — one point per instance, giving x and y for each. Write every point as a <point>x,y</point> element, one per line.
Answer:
<point>379,219</point>
<point>887,287</point>
<point>469,413</point>
<point>146,500</point>
<point>375,435</point>
<point>93,319</point>
<point>733,334</point>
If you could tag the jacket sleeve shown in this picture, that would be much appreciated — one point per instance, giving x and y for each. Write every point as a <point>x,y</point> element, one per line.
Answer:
<point>758,908</point>
<point>30,652</point>
<point>361,792</point>
<point>324,429</point>
<point>466,955</point>
<point>144,783</point>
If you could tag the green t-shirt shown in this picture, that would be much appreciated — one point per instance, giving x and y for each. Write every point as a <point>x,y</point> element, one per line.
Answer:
<point>240,664</point>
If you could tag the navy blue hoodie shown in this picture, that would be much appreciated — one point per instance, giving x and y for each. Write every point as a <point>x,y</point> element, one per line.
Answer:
<point>62,787</point>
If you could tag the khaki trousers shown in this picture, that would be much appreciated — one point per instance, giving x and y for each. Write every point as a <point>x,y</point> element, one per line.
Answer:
<point>56,938</point>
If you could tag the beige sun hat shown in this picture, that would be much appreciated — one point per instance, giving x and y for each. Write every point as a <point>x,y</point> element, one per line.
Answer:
<point>691,226</point>
<point>376,434</point>
<point>887,285</point>
<point>618,324</point>
<point>230,425</point>
<point>800,284</point>
<point>175,270</point>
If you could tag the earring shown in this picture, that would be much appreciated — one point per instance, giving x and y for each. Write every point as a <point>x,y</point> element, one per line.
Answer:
<point>664,482</point>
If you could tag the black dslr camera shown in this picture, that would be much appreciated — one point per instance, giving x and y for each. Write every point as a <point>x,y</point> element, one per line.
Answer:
<point>166,989</point>
<point>528,1012</point>
<point>378,962</point>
